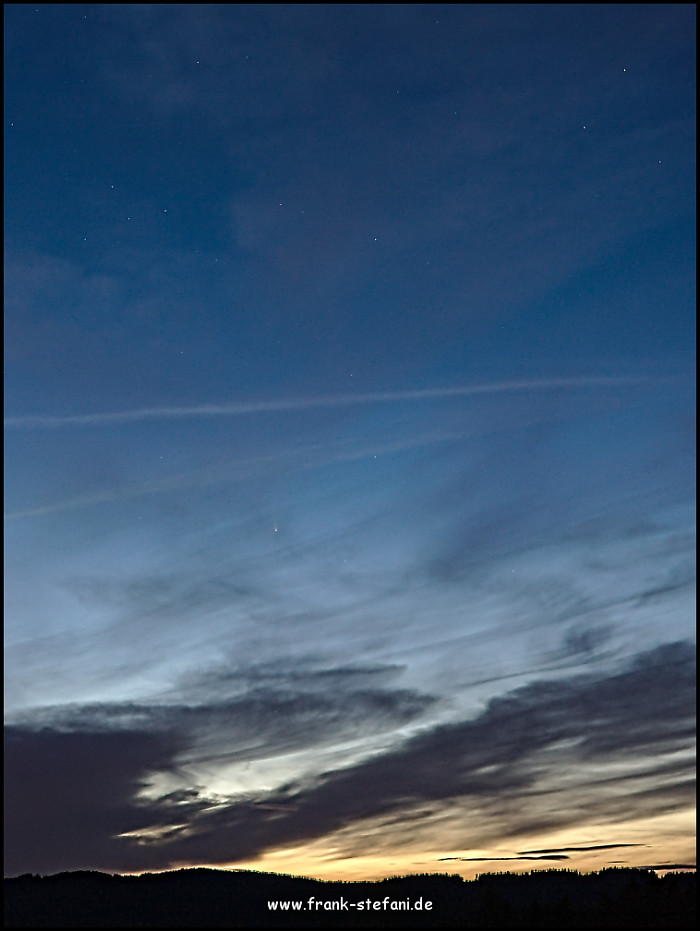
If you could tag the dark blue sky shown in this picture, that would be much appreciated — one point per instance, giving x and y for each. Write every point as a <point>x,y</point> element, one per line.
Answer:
<point>349,379</point>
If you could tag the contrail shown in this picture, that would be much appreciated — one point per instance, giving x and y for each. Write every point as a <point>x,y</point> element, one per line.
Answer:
<point>230,471</point>
<point>238,409</point>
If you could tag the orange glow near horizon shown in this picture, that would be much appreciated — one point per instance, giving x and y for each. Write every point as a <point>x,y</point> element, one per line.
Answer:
<point>666,838</point>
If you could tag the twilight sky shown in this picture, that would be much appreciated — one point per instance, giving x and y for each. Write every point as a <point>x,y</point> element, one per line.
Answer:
<point>349,435</point>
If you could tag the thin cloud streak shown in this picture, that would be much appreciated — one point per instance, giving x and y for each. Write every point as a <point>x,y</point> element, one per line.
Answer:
<point>579,849</point>
<point>40,422</point>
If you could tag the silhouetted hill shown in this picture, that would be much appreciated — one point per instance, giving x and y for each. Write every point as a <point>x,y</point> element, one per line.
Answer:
<point>241,899</point>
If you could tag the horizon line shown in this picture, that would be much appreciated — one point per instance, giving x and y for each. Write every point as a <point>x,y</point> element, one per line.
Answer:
<point>243,408</point>
<point>659,867</point>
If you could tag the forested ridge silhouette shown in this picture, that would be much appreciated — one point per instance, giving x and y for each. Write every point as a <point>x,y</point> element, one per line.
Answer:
<point>618,897</point>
